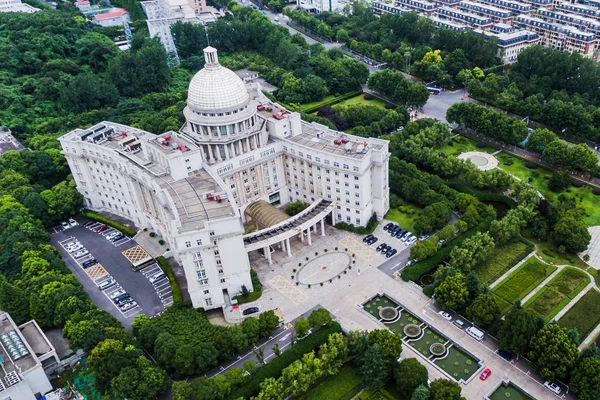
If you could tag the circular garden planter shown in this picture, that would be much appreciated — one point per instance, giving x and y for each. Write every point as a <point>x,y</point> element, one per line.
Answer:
<point>412,330</point>
<point>437,349</point>
<point>427,279</point>
<point>388,313</point>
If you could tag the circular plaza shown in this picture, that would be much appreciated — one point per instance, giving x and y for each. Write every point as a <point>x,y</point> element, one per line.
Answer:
<point>481,160</point>
<point>323,268</point>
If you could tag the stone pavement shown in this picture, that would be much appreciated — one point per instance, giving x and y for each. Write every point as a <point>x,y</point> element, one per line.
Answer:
<point>593,249</point>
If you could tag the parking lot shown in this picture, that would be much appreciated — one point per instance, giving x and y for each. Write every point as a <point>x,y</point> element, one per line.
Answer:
<point>81,246</point>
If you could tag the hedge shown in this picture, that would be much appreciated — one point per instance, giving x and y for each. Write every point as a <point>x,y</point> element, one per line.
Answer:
<point>482,195</point>
<point>342,386</point>
<point>97,217</point>
<point>164,265</point>
<point>415,271</point>
<point>273,369</point>
<point>359,229</point>
<point>331,102</point>
<point>255,294</point>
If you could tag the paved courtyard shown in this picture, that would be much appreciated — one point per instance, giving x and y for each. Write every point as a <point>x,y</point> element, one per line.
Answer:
<point>483,161</point>
<point>343,295</point>
<point>593,249</point>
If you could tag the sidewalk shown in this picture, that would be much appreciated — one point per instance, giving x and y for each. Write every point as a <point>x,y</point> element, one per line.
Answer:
<point>541,285</point>
<point>510,271</point>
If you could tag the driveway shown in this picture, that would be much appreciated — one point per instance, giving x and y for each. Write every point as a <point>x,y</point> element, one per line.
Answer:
<point>112,264</point>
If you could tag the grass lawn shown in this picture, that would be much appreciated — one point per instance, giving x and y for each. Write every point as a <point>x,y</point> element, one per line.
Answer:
<point>360,99</point>
<point>461,144</point>
<point>522,281</point>
<point>548,251</point>
<point>502,259</point>
<point>557,293</point>
<point>584,315</point>
<point>344,385</point>
<point>584,196</point>
<point>405,216</point>
<point>376,394</point>
<point>314,103</point>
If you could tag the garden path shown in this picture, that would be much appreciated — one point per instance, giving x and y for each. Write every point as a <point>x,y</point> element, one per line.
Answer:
<point>575,300</point>
<point>544,283</point>
<point>510,271</point>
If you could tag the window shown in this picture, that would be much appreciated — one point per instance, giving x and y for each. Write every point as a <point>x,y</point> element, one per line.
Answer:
<point>336,164</point>
<point>318,159</point>
<point>357,221</point>
<point>355,186</point>
<point>346,166</point>
<point>355,169</point>
<point>188,244</point>
<point>199,264</point>
<point>222,280</point>
<point>212,233</point>
<point>327,163</point>
<point>346,176</point>
<point>218,262</point>
<point>197,256</point>
<point>206,291</point>
<point>221,271</point>
<point>208,302</point>
<point>216,252</point>
<point>201,273</point>
<point>356,178</point>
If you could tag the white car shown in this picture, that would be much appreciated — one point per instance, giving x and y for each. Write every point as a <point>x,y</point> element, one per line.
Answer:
<point>81,253</point>
<point>111,235</point>
<point>553,387</point>
<point>424,237</point>
<point>107,283</point>
<point>117,293</point>
<point>406,238</point>
<point>445,315</point>
<point>409,263</point>
<point>72,222</point>
<point>411,240</point>
<point>128,306</point>
<point>75,248</point>
<point>65,225</point>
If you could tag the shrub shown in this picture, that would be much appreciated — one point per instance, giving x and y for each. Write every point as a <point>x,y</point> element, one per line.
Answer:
<point>577,183</point>
<point>389,106</point>
<point>161,242</point>
<point>152,234</point>
<point>368,96</point>
<point>164,265</point>
<point>254,295</point>
<point>481,145</point>
<point>97,217</point>
<point>360,230</point>
<point>529,164</point>
<point>596,191</point>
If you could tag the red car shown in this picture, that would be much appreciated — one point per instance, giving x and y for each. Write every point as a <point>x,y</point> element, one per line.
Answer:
<point>485,374</point>
<point>102,228</point>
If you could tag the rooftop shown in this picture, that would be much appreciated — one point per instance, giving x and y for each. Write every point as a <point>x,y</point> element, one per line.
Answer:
<point>36,338</point>
<point>8,141</point>
<point>116,12</point>
<point>11,363</point>
<point>198,198</point>
<point>246,73</point>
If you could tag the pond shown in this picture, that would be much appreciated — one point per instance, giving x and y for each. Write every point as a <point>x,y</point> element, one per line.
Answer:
<point>509,391</point>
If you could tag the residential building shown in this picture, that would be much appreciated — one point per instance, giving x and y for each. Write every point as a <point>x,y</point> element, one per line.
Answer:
<point>515,7</point>
<point>421,6</point>
<point>464,17</point>
<point>115,17</point>
<point>236,156</point>
<point>496,14</point>
<point>387,8</point>
<point>585,24</point>
<point>83,5</point>
<point>8,142</point>
<point>511,42</point>
<point>579,9</point>
<point>448,24</point>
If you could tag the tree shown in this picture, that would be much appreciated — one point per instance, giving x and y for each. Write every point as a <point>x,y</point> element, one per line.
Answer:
<point>447,233</point>
<point>517,330</point>
<point>585,379</point>
<point>268,323</point>
<point>302,326</point>
<point>374,369</point>
<point>251,329</point>
<point>108,359</point>
<point>207,356</point>
<point>444,389</point>
<point>295,207</point>
<point>484,310</point>
<point>319,317</point>
<point>559,181</point>
<point>409,375</point>
<point>473,251</point>
<point>420,393</point>
<point>422,250</point>
<point>571,230</point>
<point>14,301</point>
<point>390,343</point>
<point>142,381</point>
<point>452,292</point>
<point>552,352</point>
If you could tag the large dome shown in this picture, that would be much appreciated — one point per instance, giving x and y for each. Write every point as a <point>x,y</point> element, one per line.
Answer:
<point>215,87</point>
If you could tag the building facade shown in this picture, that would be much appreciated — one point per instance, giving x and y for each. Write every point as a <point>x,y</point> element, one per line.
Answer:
<point>236,148</point>
<point>16,6</point>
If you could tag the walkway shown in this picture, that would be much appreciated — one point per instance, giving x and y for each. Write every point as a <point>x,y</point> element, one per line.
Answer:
<point>541,285</point>
<point>513,269</point>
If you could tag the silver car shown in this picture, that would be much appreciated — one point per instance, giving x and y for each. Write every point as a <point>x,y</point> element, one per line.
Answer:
<point>81,253</point>
<point>128,306</point>
<point>75,248</point>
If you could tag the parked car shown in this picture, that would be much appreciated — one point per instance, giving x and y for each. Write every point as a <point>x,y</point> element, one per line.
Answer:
<point>251,310</point>
<point>75,248</point>
<point>406,236</point>
<point>409,263</point>
<point>157,277</point>
<point>89,263</point>
<point>485,374</point>
<point>391,253</point>
<point>65,225</point>
<point>400,233</point>
<point>412,240</point>
<point>553,387</point>
<point>441,242</point>
<point>102,228</point>
<point>372,240</point>
<point>459,323</point>
<point>72,222</point>
<point>367,238</point>
<point>118,293</point>
<point>88,223</point>
<point>121,298</point>
<point>106,284</point>
<point>424,237</point>
<point>81,253</point>
<point>380,246</point>
<point>445,315</point>
<point>72,245</point>
<point>111,235</point>
<point>388,226</point>
<point>128,306</point>
<point>118,236</point>
<point>385,248</point>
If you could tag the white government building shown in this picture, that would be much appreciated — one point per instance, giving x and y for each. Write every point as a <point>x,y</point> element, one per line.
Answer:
<point>236,155</point>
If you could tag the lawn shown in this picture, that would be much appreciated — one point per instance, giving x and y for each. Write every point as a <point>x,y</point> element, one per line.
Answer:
<point>376,394</point>
<point>548,251</point>
<point>405,216</point>
<point>584,196</point>
<point>557,293</point>
<point>584,315</point>
<point>502,259</point>
<point>461,144</point>
<point>344,385</point>
<point>522,281</point>
<point>360,99</point>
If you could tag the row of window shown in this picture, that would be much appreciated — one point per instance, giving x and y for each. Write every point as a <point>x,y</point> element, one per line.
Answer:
<point>318,159</point>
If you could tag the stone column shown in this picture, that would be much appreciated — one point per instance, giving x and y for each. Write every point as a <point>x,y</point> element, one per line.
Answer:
<point>248,143</point>
<point>309,238</point>
<point>323,227</point>
<point>218,153</point>
<point>211,157</point>
<point>268,253</point>
<point>288,247</point>
<point>255,141</point>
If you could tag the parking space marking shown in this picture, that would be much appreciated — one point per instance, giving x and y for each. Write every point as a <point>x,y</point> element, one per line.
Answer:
<point>135,254</point>
<point>288,290</point>
<point>359,248</point>
<point>121,242</point>
<point>96,272</point>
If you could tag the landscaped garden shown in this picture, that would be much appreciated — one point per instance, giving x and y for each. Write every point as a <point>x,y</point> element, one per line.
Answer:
<point>548,251</point>
<point>418,335</point>
<point>549,300</point>
<point>460,144</point>
<point>344,385</point>
<point>405,216</point>
<point>509,391</point>
<point>501,260</point>
<point>522,281</point>
<point>376,394</point>
<point>584,315</point>
<point>360,99</point>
